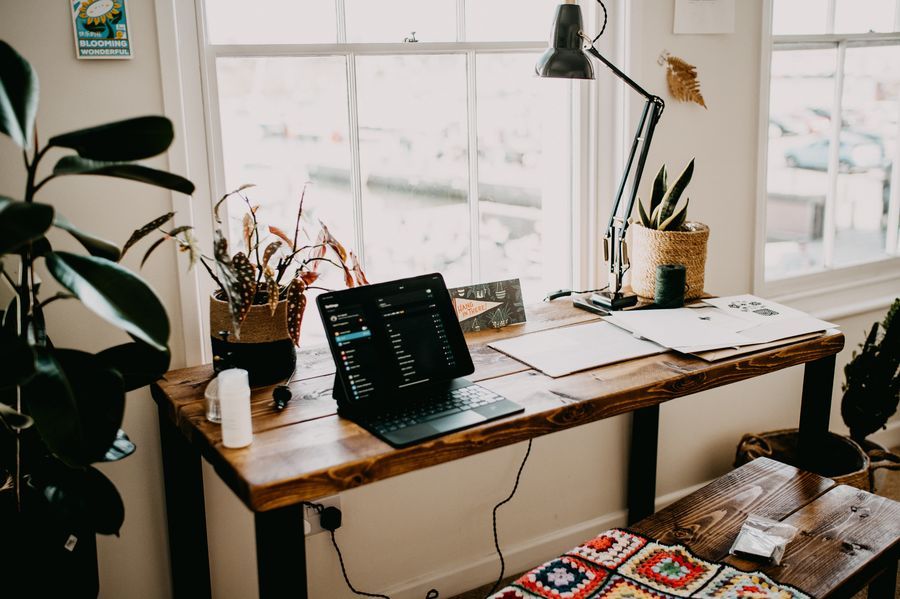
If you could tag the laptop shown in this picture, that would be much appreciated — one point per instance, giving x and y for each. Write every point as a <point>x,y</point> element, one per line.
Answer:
<point>401,358</point>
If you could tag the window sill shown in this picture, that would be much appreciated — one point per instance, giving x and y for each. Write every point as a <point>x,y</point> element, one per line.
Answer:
<point>839,293</point>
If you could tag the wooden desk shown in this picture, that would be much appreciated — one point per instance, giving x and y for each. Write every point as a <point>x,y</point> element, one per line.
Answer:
<point>307,452</point>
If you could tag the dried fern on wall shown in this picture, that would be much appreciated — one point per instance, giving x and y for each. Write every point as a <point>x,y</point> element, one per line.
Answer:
<point>682,79</point>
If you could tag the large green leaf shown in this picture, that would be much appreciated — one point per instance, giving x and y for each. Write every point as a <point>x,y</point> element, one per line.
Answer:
<point>21,222</point>
<point>18,96</point>
<point>77,404</point>
<point>131,139</point>
<point>113,293</point>
<point>16,358</point>
<point>85,496</point>
<point>93,244</point>
<point>138,363</point>
<point>13,419</point>
<point>75,165</point>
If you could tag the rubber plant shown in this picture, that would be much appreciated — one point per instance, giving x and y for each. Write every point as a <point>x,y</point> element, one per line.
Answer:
<point>61,408</point>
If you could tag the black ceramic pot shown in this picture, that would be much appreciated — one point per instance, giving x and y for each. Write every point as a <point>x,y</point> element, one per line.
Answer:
<point>264,349</point>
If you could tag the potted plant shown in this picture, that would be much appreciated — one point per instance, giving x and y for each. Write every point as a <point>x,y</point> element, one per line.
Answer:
<point>257,309</point>
<point>61,408</point>
<point>663,235</point>
<point>871,393</point>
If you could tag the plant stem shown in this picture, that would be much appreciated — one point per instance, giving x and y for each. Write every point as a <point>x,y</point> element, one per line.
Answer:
<point>299,213</point>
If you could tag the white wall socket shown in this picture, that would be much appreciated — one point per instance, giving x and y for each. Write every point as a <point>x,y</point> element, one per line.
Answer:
<point>311,517</point>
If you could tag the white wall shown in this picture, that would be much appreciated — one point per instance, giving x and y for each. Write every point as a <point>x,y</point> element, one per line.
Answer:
<point>431,528</point>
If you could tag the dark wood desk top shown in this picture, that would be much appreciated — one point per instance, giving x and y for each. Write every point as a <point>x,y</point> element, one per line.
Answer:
<point>845,535</point>
<point>306,451</point>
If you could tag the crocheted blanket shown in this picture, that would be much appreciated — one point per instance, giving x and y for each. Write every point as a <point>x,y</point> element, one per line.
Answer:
<point>619,563</point>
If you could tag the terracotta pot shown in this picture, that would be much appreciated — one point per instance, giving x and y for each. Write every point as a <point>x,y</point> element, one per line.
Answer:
<point>264,349</point>
<point>651,248</point>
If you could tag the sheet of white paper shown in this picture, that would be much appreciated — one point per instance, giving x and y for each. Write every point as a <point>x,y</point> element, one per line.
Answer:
<point>728,322</point>
<point>753,309</point>
<point>704,16</point>
<point>559,352</point>
<point>680,327</point>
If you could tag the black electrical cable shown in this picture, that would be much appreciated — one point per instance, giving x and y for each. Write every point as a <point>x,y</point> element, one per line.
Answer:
<point>567,292</point>
<point>497,507</point>
<point>319,509</point>
<point>602,29</point>
<point>344,572</point>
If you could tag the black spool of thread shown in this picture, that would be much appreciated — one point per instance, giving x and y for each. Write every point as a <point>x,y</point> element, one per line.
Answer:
<point>670,286</point>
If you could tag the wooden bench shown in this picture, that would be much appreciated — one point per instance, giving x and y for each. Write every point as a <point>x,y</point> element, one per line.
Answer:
<point>847,538</point>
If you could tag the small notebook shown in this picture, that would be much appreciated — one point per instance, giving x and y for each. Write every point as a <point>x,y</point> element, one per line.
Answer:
<point>559,352</point>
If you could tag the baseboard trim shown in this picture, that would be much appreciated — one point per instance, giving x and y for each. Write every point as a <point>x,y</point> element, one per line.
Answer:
<point>462,577</point>
<point>889,436</point>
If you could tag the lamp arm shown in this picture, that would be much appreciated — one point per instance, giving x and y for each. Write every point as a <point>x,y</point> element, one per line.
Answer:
<point>618,72</point>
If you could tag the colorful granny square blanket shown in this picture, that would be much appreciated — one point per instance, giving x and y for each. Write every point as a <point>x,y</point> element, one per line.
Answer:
<point>620,564</point>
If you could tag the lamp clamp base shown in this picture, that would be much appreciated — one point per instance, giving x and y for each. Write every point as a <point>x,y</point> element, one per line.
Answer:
<point>614,300</point>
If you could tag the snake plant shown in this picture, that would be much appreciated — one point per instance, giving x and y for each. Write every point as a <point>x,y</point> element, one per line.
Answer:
<point>663,215</point>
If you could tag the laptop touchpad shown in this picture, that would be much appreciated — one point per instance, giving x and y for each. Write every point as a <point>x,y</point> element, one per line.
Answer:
<point>455,421</point>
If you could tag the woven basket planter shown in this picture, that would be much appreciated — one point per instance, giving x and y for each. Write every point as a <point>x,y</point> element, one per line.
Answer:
<point>265,349</point>
<point>841,458</point>
<point>651,248</point>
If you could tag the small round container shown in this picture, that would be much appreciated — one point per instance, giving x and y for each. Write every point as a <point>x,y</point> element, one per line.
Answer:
<point>211,402</point>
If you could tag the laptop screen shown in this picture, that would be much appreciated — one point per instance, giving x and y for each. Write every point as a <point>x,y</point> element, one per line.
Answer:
<point>393,339</point>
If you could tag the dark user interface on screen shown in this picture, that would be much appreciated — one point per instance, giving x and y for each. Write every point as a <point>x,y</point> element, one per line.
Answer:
<point>397,341</point>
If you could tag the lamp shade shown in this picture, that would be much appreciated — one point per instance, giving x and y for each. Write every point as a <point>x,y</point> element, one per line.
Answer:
<point>565,58</point>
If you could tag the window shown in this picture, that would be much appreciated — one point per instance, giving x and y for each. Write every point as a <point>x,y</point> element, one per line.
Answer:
<point>833,200</point>
<point>428,143</point>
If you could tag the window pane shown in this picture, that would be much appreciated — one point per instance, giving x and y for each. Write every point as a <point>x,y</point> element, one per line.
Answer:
<point>414,163</point>
<point>395,20</point>
<point>871,106</point>
<point>799,120</point>
<point>853,16</point>
<point>524,174</point>
<point>284,122</point>
<point>271,22</point>
<point>509,20</point>
<point>798,16</point>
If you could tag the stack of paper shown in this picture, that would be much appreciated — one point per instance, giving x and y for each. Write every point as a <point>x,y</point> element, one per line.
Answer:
<point>562,351</point>
<point>728,322</point>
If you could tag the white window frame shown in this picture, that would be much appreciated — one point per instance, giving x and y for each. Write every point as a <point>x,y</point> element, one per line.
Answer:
<point>849,289</point>
<point>186,66</point>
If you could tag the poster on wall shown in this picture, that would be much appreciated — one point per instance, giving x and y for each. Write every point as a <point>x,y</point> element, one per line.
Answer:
<point>101,29</point>
<point>704,16</point>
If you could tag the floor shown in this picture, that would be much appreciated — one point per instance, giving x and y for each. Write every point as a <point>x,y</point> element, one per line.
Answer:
<point>888,484</point>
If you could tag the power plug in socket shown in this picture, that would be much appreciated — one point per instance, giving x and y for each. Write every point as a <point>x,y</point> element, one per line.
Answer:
<point>311,516</point>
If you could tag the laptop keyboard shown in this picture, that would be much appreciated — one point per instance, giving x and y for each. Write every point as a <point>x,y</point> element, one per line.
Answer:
<point>455,401</point>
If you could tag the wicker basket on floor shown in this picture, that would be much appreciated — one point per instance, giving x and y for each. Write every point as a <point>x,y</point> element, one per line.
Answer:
<point>651,248</point>
<point>842,459</point>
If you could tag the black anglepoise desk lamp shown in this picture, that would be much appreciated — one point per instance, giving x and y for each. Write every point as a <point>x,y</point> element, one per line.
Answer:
<point>567,58</point>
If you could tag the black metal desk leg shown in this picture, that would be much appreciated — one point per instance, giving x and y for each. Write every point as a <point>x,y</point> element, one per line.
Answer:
<point>642,463</point>
<point>815,409</point>
<point>885,584</point>
<point>281,553</point>
<point>185,512</point>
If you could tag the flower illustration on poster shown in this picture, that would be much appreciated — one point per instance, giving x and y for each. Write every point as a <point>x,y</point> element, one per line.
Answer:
<point>101,29</point>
